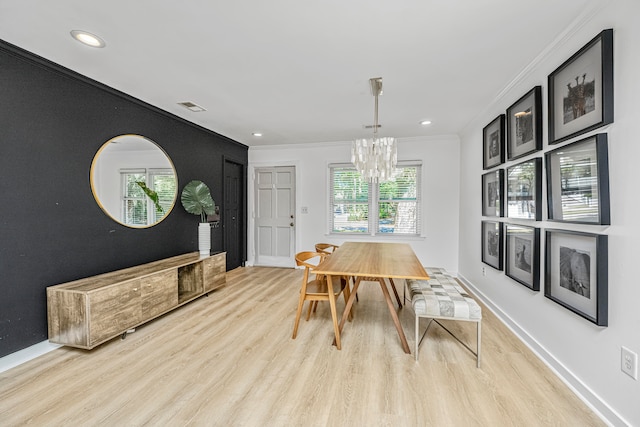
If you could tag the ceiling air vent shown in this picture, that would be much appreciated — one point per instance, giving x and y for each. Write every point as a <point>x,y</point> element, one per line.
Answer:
<point>191,106</point>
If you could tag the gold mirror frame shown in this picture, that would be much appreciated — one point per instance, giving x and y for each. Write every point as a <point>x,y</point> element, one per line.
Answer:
<point>118,165</point>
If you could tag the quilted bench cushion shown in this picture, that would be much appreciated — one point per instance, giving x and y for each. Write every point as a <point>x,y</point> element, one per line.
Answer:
<point>442,296</point>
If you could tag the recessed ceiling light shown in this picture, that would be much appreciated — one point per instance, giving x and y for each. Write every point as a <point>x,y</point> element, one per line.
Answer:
<point>87,38</point>
<point>256,134</point>
<point>425,122</point>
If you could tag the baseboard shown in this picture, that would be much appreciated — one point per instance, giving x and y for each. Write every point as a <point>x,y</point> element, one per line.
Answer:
<point>591,399</point>
<point>22,356</point>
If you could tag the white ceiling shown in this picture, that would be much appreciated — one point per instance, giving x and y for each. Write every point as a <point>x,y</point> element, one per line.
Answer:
<point>298,70</point>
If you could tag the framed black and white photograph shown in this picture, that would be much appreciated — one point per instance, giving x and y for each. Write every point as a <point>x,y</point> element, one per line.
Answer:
<point>492,190</point>
<point>493,143</point>
<point>524,125</point>
<point>492,246</point>
<point>522,247</point>
<point>578,182</point>
<point>576,273</point>
<point>524,190</point>
<point>581,90</point>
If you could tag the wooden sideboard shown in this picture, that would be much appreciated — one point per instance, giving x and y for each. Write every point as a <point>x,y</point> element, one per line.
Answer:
<point>87,312</point>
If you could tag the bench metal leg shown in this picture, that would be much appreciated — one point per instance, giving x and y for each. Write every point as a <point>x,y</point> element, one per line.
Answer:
<point>417,336</point>
<point>478,349</point>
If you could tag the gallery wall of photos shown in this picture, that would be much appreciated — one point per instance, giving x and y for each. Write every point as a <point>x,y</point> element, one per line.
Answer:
<point>575,167</point>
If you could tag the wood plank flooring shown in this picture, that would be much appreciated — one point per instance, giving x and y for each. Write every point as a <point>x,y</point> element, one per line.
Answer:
<point>229,360</point>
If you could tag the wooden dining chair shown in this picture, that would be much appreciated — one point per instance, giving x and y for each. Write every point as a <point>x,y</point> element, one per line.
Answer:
<point>316,288</point>
<point>329,248</point>
<point>326,248</point>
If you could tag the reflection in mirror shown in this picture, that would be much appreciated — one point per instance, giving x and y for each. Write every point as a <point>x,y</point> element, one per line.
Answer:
<point>133,181</point>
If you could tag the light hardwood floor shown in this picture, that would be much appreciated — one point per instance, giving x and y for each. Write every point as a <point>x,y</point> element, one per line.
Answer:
<point>229,360</point>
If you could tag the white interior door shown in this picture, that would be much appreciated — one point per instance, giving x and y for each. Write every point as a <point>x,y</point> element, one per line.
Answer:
<point>274,216</point>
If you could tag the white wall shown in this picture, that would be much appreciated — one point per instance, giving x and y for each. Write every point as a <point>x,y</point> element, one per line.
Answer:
<point>440,183</point>
<point>587,356</point>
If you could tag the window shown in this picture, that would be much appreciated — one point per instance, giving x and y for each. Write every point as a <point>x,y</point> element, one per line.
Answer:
<point>163,182</point>
<point>396,203</point>
<point>137,208</point>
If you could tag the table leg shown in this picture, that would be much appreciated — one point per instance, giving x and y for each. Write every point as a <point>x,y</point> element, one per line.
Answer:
<point>334,315</point>
<point>394,316</point>
<point>347,308</point>
<point>395,291</point>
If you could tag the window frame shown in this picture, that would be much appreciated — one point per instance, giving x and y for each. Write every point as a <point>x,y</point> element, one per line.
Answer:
<point>125,197</point>
<point>151,173</point>
<point>373,204</point>
<point>150,212</point>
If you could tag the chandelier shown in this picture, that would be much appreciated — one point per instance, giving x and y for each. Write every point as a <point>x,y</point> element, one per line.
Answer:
<point>375,158</point>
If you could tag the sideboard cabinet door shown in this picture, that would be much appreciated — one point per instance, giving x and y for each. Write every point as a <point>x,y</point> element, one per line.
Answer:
<point>159,293</point>
<point>214,271</point>
<point>114,309</point>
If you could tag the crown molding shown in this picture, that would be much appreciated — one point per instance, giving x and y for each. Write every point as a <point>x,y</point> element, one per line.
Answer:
<point>584,17</point>
<point>439,138</point>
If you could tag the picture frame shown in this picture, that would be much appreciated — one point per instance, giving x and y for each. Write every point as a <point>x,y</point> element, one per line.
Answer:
<point>492,244</point>
<point>492,193</point>
<point>522,255</point>
<point>576,273</point>
<point>523,184</point>
<point>578,182</point>
<point>493,143</point>
<point>581,90</point>
<point>524,125</point>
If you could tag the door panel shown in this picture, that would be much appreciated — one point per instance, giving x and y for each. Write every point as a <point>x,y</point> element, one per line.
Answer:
<point>283,248</point>
<point>264,204</point>
<point>275,222</point>
<point>264,240</point>
<point>284,203</point>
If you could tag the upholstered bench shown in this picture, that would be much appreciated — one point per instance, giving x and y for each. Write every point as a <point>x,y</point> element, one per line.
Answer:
<point>442,297</point>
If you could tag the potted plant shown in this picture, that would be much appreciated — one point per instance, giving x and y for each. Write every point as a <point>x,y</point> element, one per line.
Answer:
<point>196,199</point>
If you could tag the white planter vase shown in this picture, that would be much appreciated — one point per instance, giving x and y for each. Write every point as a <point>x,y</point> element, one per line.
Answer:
<point>204,238</point>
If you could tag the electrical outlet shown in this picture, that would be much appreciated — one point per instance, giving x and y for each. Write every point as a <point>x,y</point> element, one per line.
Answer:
<point>484,271</point>
<point>629,363</point>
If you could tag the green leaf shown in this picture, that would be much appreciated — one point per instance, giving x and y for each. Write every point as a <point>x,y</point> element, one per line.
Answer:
<point>196,199</point>
<point>151,194</point>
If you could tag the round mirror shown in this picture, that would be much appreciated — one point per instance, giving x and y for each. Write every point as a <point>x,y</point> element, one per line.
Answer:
<point>134,181</point>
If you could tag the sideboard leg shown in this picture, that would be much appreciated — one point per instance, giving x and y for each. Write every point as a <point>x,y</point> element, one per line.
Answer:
<point>125,333</point>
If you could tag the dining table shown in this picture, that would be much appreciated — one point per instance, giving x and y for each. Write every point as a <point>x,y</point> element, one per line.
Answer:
<point>373,261</point>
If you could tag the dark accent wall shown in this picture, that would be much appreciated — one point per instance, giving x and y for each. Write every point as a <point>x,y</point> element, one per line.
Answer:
<point>52,122</point>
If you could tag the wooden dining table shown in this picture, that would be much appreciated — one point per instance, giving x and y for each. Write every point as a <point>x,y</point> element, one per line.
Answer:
<point>373,261</point>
